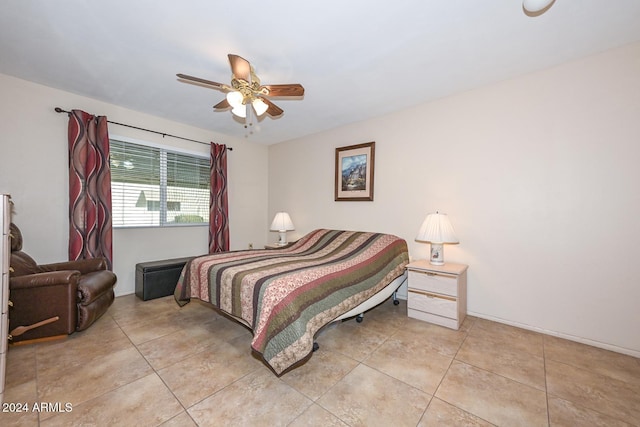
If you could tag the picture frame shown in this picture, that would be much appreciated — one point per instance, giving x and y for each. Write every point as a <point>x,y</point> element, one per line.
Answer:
<point>355,165</point>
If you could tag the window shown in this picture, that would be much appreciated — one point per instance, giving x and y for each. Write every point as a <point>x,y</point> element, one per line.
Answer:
<point>155,187</point>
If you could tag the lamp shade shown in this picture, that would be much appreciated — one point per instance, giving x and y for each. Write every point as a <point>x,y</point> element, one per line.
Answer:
<point>235,99</point>
<point>282,222</point>
<point>437,228</point>
<point>260,106</point>
<point>240,111</point>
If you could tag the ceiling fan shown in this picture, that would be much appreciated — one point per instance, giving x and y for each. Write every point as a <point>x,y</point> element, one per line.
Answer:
<point>246,93</point>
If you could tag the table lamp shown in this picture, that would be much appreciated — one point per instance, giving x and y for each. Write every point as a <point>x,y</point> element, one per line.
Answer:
<point>437,230</point>
<point>282,223</point>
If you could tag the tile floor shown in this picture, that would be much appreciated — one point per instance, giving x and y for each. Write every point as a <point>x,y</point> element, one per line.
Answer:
<point>152,363</point>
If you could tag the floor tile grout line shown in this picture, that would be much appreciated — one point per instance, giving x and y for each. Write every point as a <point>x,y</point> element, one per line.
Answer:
<point>359,363</point>
<point>435,391</point>
<point>453,358</point>
<point>579,405</point>
<point>432,396</point>
<point>155,372</point>
<point>302,412</point>
<point>212,394</point>
<point>501,375</point>
<point>100,396</point>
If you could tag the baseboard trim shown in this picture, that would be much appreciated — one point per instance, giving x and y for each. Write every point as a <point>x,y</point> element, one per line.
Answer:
<point>617,349</point>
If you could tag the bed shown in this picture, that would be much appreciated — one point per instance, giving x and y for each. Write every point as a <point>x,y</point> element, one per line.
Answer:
<point>285,296</point>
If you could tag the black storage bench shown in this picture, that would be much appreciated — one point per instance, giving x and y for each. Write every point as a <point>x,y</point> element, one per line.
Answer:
<point>157,279</point>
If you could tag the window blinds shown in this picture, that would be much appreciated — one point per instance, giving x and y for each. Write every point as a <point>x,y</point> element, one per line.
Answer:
<point>155,187</point>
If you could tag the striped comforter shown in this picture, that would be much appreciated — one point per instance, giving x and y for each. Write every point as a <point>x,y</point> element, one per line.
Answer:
<point>286,295</point>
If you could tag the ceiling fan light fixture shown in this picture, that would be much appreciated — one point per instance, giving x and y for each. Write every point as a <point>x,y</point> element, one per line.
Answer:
<point>240,111</point>
<point>260,106</point>
<point>235,99</point>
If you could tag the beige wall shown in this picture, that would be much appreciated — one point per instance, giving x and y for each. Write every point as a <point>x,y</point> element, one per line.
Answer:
<point>539,176</point>
<point>34,170</point>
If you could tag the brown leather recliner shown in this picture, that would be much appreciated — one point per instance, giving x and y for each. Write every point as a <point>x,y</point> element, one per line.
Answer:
<point>55,299</point>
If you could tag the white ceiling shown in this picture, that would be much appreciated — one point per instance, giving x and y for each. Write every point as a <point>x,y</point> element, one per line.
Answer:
<point>357,59</point>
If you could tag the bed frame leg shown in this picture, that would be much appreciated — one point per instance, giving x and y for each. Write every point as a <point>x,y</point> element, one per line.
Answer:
<point>316,347</point>
<point>396,301</point>
<point>360,317</point>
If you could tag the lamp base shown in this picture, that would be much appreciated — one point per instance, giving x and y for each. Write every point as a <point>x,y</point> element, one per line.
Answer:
<point>282,241</point>
<point>437,254</point>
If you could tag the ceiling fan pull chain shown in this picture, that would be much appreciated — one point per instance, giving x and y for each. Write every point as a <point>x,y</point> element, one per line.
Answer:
<point>248,121</point>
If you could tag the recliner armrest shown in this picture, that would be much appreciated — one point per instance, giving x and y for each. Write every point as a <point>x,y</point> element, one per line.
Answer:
<point>51,278</point>
<point>91,286</point>
<point>84,266</point>
<point>41,296</point>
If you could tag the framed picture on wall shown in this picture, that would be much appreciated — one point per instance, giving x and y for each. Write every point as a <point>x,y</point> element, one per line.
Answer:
<point>354,172</point>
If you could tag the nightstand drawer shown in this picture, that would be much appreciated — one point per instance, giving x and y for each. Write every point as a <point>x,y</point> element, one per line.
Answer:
<point>438,283</point>
<point>441,305</point>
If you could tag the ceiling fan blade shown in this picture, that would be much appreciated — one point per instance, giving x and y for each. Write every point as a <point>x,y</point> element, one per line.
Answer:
<point>240,67</point>
<point>294,89</point>
<point>213,84</point>
<point>222,105</point>
<point>273,110</point>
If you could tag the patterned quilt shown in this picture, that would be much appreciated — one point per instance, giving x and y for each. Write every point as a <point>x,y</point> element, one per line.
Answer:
<point>287,295</point>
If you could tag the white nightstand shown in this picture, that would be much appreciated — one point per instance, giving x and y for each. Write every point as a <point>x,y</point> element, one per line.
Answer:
<point>437,293</point>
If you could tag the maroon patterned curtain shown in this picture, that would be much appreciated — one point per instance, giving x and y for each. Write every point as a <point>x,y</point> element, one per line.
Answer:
<point>218,203</point>
<point>90,233</point>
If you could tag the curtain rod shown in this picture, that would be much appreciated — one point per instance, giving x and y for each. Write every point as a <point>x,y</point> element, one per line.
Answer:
<point>60,110</point>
